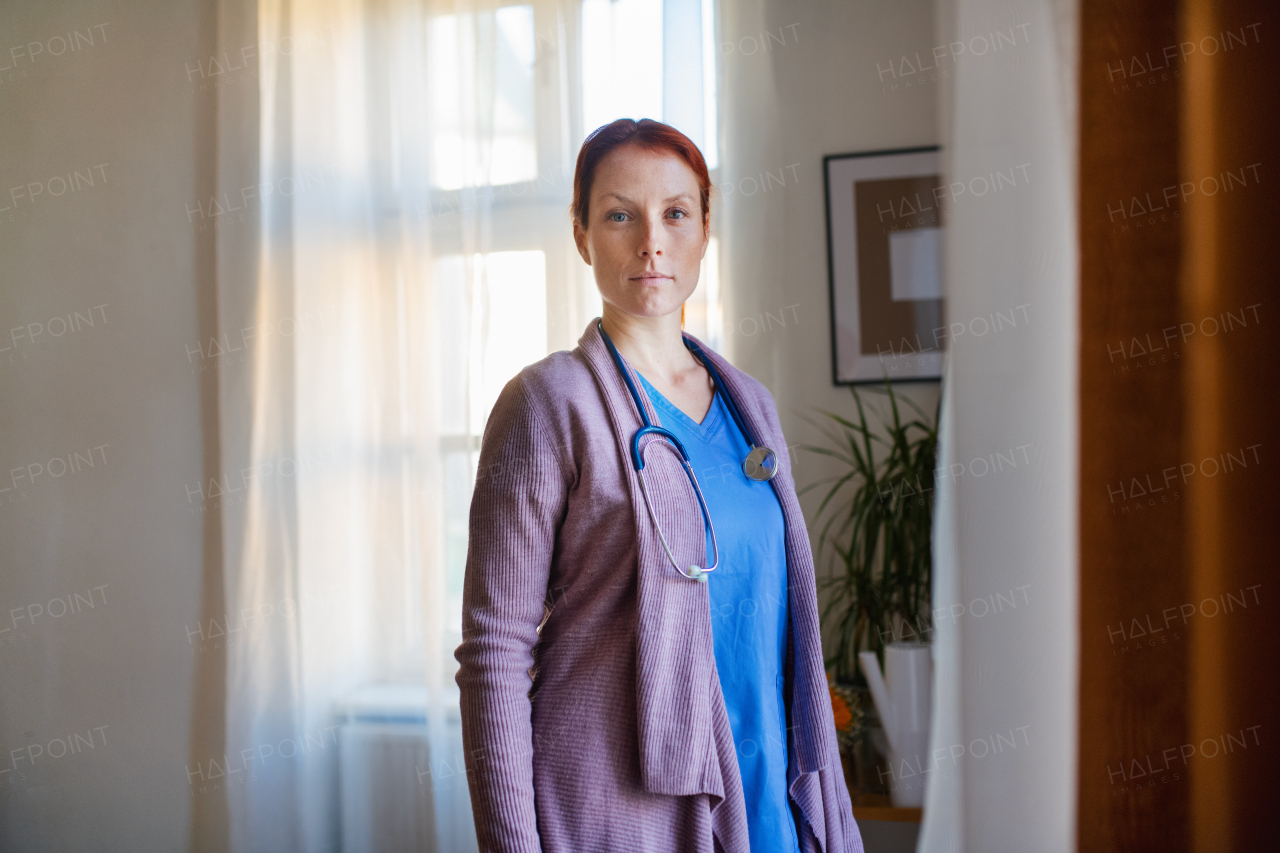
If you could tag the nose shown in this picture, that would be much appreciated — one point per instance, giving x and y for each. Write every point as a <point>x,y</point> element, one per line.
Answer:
<point>651,246</point>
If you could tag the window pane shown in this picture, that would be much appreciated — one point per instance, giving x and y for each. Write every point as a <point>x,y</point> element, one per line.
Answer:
<point>621,61</point>
<point>517,318</point>
<point>711,140</point>
<point>449,301</point>
<point>458,476</point>
<point>482,98</point>
<point>515,156</point>
<point>448,91</point>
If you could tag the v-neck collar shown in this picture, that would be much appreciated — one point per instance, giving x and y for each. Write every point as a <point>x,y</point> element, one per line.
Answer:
<point>706,430</point>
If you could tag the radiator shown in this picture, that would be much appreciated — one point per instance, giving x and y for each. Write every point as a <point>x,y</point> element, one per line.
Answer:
<point>398,788</point>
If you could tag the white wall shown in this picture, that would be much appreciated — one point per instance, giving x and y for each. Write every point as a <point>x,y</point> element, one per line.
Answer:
<point>817,92</point>
<point>122,530</point>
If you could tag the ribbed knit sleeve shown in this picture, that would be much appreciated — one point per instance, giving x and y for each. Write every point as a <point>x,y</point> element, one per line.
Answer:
<point>516,510</point>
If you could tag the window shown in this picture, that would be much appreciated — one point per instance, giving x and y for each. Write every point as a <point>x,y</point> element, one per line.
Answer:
<point>622,73</point>
<point>462,49</point>
<point>513,92</point>
<point>651,59</point>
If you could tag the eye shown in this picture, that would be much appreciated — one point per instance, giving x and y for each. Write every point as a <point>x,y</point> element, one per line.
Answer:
<point>684,214</point>
<point>610,216</point>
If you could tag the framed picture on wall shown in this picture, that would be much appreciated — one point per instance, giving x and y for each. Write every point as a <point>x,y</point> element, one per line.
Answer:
<point>884,256</point>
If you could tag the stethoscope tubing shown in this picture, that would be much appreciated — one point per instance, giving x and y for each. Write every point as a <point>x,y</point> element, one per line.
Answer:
<point>694,573</point>
<point>721,390</point>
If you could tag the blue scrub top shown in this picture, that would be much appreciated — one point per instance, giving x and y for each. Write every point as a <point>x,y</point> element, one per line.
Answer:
<point>748,612</point>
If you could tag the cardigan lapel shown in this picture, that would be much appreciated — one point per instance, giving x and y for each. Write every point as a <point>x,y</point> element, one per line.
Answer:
<point>811,709</point>
<point>814,742</point>
<point>675,658</point>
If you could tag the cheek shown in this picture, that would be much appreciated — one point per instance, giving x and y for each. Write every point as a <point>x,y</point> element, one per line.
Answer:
<point>608,255</point>
<point>688,256</point>
<point>608,260</point>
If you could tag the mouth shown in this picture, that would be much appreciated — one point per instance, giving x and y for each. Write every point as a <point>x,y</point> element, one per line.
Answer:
<point>651,278</point>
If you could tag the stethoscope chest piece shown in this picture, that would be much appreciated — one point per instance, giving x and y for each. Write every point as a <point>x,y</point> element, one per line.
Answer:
<point>761,464</point>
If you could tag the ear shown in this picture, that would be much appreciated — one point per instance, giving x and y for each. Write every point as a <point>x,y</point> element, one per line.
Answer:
<point>706,239</point>
<point>580,240</point>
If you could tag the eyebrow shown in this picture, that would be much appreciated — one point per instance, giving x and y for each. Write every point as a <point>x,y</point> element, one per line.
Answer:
<point>665,201</point>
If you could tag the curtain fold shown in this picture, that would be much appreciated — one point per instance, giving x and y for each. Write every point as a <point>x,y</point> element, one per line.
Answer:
<point>410,165</point>
<point>340,580</point>
<point>1010,676</point>
<point>943,830</point>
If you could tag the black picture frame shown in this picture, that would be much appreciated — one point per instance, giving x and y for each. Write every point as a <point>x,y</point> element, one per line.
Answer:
<point>920,356</point>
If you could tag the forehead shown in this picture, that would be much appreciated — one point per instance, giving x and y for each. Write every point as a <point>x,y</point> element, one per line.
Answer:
<point>642,170</point>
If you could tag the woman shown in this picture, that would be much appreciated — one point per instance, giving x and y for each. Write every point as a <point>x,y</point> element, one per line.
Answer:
<point>610,700</point>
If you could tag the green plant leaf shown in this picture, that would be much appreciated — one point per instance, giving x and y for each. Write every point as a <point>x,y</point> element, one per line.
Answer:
<point>874,523</point>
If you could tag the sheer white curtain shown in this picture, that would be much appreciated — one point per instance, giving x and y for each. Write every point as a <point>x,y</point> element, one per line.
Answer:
<point>1014,676</point>
<point>415,169</point>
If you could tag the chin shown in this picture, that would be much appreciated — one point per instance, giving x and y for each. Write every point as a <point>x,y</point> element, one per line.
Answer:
<point>656,308</point>
<point>652,304</point>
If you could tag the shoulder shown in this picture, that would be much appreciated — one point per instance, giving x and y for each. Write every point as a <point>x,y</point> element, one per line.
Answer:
<point>558,378</point>
<point>557,387</point>
<point>547,398</point>
<point>522,431</point>
<point>539,390</point>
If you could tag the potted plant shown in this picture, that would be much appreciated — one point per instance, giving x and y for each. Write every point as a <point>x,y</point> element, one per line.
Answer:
<point>875,539</point>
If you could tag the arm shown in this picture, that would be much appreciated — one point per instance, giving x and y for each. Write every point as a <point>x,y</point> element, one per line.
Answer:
<point>516,510</point>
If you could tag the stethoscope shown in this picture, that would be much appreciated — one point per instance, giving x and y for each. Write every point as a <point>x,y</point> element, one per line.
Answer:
<point>760,464</point>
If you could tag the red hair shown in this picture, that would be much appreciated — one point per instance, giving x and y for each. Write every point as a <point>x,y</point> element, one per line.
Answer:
<point>647,134</point>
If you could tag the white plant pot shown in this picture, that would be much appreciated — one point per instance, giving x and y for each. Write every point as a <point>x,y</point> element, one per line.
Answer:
<point>904,700</point>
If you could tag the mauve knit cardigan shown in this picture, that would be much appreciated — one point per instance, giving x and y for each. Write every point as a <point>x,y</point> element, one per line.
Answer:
<point>605,730</point>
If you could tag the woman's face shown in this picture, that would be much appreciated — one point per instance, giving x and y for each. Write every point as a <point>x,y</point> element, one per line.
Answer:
<point>644,237</point>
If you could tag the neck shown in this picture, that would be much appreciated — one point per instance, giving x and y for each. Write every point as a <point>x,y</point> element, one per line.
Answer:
<point>652,345</point>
